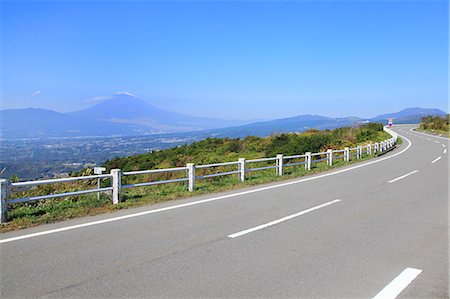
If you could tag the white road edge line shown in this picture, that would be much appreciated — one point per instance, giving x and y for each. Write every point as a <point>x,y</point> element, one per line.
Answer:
<point>398,284</point>
<point>403,176</point>
<point>272,223</point>
<point>435,160</point>
<point>426,134</point>
<point>71,227</point>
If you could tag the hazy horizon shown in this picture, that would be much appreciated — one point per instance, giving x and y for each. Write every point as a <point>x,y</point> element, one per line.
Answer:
<point>229,60</point>
<point>260,119</point>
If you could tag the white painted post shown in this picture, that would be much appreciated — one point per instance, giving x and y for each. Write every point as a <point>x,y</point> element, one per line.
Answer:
<point>99,170</point>
<point>241,168</point>
<point>369,149</point>
<point>377,148</point>
<point>279,164</point>
<point>191,176</point>
<point>308,159</point>
<point>346,154</point>
<point>4,192</point>
<point>330,157</point>
<point>116,185</point>
<point>358,152</point>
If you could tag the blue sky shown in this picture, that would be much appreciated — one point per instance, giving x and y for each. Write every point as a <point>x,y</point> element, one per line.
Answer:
<point>247,60</point>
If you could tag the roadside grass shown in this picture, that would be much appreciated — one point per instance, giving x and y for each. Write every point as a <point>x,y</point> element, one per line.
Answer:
<point>48,211</point>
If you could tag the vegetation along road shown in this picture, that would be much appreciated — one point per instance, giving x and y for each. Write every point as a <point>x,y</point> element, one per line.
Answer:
<point>373,228</point>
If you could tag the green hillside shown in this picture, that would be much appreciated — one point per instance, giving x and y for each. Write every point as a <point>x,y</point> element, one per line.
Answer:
<point>215,150</point>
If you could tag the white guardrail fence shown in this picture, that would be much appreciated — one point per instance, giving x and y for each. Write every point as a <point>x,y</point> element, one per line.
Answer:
<point>243,167</point>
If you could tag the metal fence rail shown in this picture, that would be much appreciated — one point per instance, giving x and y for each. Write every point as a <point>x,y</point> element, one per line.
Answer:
<point>116,175</point>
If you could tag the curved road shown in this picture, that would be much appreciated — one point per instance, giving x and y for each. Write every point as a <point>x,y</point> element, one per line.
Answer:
<point>377,228</point>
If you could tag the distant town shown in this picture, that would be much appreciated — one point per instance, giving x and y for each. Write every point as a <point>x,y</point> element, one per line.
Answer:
<point>30,158</point>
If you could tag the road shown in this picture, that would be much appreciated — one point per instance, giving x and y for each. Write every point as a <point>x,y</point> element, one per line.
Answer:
<point>348,233</point>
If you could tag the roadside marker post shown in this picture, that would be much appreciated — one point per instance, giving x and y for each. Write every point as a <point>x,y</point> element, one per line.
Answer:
<point>116,185</point>
<point>4,190</point>
<point>98,170</point>
<point>241,166</point>
<point>279,164</point>
<point>330,157</point>
<point>191,176</point>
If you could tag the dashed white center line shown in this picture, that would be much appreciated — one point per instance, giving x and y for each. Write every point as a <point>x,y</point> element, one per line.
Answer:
<point>396,286</point>
<point>443,145</point>
<point>262,226</point>
<point>428,139</point>
<point>445,151</point>
<point>436,141</point>
<point>403,176</point>
<point>435,160</point>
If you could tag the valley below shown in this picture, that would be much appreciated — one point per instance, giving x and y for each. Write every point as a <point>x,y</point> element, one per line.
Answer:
<point>35,158</point>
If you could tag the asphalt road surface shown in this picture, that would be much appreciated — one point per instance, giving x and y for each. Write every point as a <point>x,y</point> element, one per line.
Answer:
<point>377,228</point>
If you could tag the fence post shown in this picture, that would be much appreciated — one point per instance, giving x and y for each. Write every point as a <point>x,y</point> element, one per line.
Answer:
<point>308,160</point>
<point>279,164</point>
<point>330,157</point>
<point>358,152</point>
<point>241,169</point>
<point>4,191</point>
<point>346,154</point>
<point>116,185</point>
<point>191,176</point>
<point>369,149</point>
<point>377,148</point>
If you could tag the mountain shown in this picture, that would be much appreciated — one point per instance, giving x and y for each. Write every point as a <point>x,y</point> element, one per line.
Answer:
<point>34,122</point>
<point>293,124</point>
<point>304,122</point>
<point>409,115</point>
<point>125,108</point>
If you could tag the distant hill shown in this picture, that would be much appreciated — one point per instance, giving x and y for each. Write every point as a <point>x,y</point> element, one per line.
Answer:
<point>125,108</point>
<point>292,124</point>
<point>304,122</point>
<point>409,115</point>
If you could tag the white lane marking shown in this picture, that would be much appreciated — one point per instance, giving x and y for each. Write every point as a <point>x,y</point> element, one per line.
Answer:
<point>435,160</point>
<point>426,134</point>
<point>436,141</point>
<point>443,145</point>
<point>445,150</point>
<point>403,176</point>
<point>428,139</point>
<point>272,223</point>
<point>57,230</point>
<point>396,286</point>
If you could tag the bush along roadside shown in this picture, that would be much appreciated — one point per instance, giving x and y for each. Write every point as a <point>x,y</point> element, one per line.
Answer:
<point>209,151</point>
<point>435,125</point>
